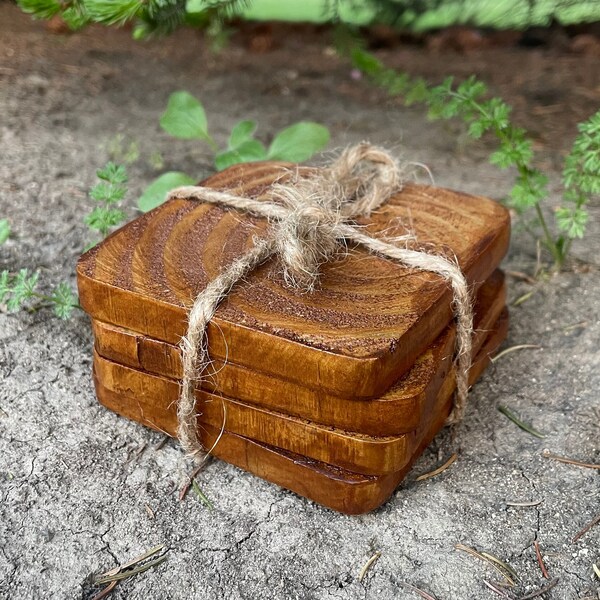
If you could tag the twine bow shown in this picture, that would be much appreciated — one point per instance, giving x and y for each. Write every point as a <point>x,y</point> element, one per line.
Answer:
<point>312,218</point>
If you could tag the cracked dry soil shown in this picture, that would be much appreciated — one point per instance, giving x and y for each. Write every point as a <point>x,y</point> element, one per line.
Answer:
<point>82,490</point>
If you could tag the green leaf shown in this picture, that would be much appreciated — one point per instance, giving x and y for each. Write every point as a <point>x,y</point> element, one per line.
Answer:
<point>185,118</point>
<point>4,230</point>
<point>75,17</point>
<point>477,128</point>
<point>23,288</point>
<point>242,132</point>
<point>366,62</point>
<point>115,174</point>
<point>298,142</point>
<point>64,300</point>
<point>111,12</point>
<point>107,193</point>
<point>41,9</point>
<point>195,6</point>
<point>249,151</point>
<point>154,195</point>
<point>418,92</point>
<point>572,221</point>
<point>5,285</point>
<point>103,219</point>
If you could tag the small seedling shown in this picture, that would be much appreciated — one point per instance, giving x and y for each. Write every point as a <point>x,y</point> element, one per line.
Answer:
<point>185,118</point>
<point>109,192</point>
<point>19,290</point>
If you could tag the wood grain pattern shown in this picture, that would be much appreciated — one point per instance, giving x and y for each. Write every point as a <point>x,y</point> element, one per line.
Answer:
<point>398,411</point>
<point>350,450</point>
<point>336,488</point>
<point>364,328</point>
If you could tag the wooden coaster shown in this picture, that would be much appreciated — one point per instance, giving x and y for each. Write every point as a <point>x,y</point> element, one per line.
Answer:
<point>398,411</point>
<point>366,325</point>
<point>336,488</point>
<point>157,397</point>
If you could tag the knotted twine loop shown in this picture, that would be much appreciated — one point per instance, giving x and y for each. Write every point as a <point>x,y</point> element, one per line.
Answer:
<point>312,219</point>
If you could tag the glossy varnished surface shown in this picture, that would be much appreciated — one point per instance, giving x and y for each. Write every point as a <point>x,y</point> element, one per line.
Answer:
<point>398,411</point>
<point>336,488</point>
<point>351,450</point>
<point>364,327</point>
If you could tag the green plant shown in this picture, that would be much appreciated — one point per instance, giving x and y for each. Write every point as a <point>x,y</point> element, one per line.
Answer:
<point>468,101</point>
<point>185,118</point>
<point>151,17</point>
<point>17,290</point>
<point>4,230</point>
<point>108,193</point>
<point>163,16</point>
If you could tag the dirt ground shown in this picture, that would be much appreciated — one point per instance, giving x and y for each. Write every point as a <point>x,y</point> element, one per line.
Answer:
<point>82,490</point>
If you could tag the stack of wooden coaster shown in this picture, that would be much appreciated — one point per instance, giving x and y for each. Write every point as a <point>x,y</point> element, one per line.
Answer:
<point>331,394</point>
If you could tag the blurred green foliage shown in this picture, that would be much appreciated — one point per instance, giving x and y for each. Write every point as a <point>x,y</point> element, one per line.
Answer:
<point>163,16</point>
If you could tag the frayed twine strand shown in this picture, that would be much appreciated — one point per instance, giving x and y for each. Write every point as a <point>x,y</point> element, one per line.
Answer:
<point>312,219</point>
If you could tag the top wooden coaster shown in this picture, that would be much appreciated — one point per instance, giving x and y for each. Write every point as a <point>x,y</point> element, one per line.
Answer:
<point>364,327</point>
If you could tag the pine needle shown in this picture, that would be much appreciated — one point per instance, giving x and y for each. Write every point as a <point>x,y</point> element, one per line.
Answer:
<point>368,565</point>
<point>131,572</point>
<point>569,461</point>
<point>106,591</point>
<point>438,470</point>
<point>493,563</point>
<point>540,560</point>
<point>201,495</point>
<point>502,564</point>
<point>525,504</point>
<point>541,591</point>
<point>583,531</point>
<point>521,299</point>
<point>418,591</point>
<point>524,426</point>
<point>513,348</point>
<point>497,589</point>
<point>126,570</point>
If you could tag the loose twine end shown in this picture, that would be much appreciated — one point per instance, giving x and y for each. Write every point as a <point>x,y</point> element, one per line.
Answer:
<point>312,219</point>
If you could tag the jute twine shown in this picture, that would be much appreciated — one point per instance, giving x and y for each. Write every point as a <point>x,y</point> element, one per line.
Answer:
<point>312,220</point>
